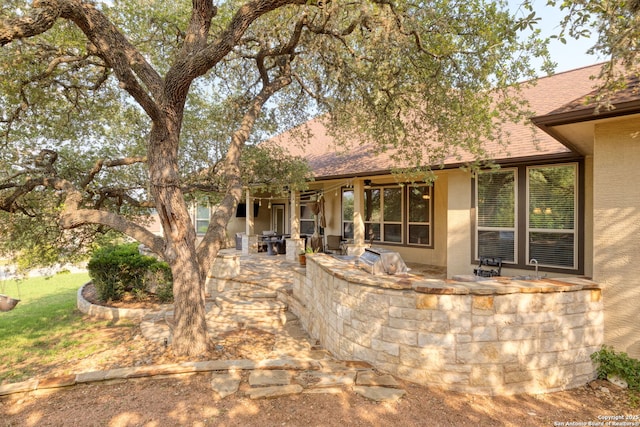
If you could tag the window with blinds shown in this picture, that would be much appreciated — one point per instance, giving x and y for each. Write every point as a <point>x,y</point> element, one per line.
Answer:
<point>400,214</point>
<point>547,205</point>
<point>496,214</point>
<point>551,223</point>
<point>419,214</point>
<point>383,214</point>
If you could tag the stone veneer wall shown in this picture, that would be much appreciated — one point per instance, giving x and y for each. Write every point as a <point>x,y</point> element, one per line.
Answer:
<point>504,341</point>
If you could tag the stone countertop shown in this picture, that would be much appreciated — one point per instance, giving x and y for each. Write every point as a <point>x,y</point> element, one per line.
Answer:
<point>459,285</point>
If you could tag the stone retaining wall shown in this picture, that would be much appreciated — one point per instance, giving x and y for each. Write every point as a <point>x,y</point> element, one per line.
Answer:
<point>108,313</point>
<point>490,338</point>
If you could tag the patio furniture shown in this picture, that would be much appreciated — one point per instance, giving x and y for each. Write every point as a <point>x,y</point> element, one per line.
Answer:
<point>275,243</point>
<point>272,249</point>
<point>484,267</point>
<point>333,244</point>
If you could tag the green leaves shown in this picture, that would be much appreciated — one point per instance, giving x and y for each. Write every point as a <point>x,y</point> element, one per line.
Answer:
<point>610,362</point>
<point>430,79</point>
<point>614,27</point>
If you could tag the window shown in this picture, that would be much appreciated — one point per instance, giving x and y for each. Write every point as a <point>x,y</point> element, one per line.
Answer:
<point>419,214</point>
<point>546,205</point>
<point>372,213</point>
<point>203,216</point>
<point>307,224</point>
<point>399,214</point>
<point>496,215</point>
<point>551,224</point>
<point>392,214</point>
<point>347,213</point>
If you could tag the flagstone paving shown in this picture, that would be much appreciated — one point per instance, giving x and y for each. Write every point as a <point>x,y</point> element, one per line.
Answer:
<point>294,364</point>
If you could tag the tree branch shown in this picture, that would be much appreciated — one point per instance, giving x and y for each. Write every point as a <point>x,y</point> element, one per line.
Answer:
<point>42,17</point>
<point>73,216</point>
<point>286,49</point>
<point>203,60</point>
<point>76,218</point>
<point>216,232</point>
<point>109,43</point>
<point>100,163</point>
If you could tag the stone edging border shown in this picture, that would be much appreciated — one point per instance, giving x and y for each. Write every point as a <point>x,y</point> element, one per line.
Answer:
<point>157,370</point>
<point>109,313</point>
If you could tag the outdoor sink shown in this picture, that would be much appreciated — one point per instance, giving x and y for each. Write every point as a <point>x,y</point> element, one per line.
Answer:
<point>526,277</point>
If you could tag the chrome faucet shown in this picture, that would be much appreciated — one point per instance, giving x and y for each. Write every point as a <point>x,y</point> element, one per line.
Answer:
<point>535,262</point>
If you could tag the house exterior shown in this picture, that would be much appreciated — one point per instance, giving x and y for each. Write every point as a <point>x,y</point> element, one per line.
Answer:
<point>609,143</point>
<point>564,200</point>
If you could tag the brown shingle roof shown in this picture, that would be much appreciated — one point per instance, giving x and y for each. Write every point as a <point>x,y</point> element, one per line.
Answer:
<point>549,93</point>
<point>587,107</point>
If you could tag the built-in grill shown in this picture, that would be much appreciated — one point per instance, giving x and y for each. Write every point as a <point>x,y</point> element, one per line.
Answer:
<point>381,261</point>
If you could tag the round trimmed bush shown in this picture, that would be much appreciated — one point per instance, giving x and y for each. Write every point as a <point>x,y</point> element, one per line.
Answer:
<point>118,270</point>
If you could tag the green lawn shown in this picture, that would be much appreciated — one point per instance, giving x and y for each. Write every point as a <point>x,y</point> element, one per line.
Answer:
<point>45,327</point>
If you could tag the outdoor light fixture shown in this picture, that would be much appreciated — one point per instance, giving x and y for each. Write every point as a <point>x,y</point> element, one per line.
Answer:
<point>367,183</point>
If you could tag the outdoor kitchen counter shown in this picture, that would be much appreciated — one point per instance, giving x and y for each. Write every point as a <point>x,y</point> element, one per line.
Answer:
<point>459,285</point>
<point>495,336</point>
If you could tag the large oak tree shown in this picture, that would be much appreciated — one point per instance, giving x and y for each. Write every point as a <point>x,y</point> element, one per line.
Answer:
<point>109,108</point>
<point>614,28</point>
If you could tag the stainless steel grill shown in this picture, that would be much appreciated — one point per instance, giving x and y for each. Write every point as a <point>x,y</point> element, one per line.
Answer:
<point>382,261</point>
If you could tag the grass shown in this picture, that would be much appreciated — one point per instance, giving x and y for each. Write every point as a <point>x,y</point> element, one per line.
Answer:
<point>45,328</point>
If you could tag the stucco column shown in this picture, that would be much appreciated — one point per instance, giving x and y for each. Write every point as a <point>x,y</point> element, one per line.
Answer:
<point>294,244</point>
<point>458,224</point>
<point>358,213</point>
<point>249,218</point>
<point>249,241</point>
<point>295,215</point>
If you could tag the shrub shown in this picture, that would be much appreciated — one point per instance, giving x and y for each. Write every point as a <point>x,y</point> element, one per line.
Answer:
<point>117,270</point>
<point>158,280</point>
<point>609,362</point>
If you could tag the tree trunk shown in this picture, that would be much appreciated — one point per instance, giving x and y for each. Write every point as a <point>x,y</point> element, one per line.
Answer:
<point>190,337</point>
<point>190,332</point>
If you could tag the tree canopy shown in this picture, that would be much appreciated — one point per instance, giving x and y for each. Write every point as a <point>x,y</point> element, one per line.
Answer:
<point>110,108</point>
<point>614,27</point>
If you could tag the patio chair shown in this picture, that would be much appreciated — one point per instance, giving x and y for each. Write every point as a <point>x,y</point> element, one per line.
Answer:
<point>495,262</point>
<point>332,244</point>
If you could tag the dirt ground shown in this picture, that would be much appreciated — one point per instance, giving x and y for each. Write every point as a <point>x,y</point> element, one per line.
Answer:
<point>188,400</point>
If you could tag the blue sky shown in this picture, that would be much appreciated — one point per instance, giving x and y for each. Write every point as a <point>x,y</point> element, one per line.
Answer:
<point>567,56</point>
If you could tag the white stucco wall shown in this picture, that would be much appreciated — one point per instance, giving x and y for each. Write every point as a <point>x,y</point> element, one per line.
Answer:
<point>616,228</point>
